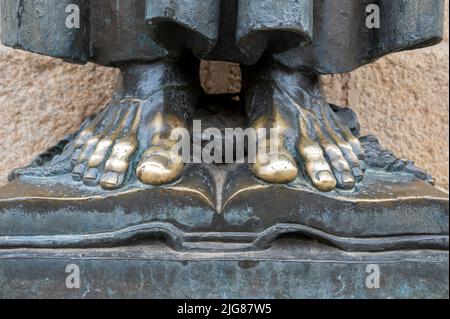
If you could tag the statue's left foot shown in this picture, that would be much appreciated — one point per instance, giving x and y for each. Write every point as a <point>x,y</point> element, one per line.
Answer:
<point>310,135</point>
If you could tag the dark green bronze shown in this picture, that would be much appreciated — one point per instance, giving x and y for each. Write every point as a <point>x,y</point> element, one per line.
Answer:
<point>283,46</point>
<point>342,200</point>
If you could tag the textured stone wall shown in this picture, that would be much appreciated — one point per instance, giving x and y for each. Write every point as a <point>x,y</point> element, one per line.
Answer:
<point>403,99</point>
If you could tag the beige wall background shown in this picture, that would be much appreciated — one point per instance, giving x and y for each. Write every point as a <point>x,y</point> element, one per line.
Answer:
<point>403,99</point>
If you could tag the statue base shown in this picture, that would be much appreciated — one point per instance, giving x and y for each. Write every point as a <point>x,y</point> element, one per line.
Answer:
<point>289,269</point>
<point>223,209</point>
<point>221,232</point>
<point>255,240</point>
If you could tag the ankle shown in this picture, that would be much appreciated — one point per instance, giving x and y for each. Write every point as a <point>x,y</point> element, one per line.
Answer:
<point>141,81</point>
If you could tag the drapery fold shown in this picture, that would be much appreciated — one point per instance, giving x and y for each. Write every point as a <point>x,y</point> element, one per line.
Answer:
<point>176,24</point>
<point>277,26</point>
<point>324,36</point>
<point>40,27</point>
<point>342,41</point>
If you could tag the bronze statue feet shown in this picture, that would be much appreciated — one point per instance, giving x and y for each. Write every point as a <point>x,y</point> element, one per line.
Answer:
<point>106,150</point>
<point>132,135</point>
<point>311,137</point>
<point>159,164</point>
<point>132,138</point>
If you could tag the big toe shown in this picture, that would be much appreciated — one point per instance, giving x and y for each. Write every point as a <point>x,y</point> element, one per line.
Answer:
<point>277,170</point>
<point>159,168</point>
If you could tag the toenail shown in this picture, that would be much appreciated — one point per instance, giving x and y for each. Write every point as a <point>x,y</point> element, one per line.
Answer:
<point>110,179</point>
<point>362,163</point>
<point>325,176</point>
<point>358,173</point>
<point>78,171</point>
<point>90,176</point>
<point>347,180</point>
<point>76,155</point>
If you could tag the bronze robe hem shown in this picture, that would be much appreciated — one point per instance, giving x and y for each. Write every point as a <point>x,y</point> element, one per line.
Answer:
<point>324,36</point>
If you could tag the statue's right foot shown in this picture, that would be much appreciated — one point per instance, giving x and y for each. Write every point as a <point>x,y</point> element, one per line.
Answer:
<point>104,149</point>
<point>159,165</point>
<point>136,128</point>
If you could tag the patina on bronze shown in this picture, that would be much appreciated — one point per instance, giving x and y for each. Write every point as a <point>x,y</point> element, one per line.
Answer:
<point>114,183</point>
<point>286,44</point>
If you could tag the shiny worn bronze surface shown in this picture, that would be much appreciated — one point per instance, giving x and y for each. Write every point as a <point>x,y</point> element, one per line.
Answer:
<point>117,180</point>
<point>225,207</point>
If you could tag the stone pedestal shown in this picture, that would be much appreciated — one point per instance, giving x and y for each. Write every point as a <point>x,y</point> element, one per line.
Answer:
<point>289,269</point>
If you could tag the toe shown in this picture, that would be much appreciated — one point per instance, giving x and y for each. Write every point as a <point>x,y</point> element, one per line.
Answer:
<point>340,167</point>
<point>323,180</point>
<point>97,161</point>
<point>158,167</point>
<point>80,144</point>
<point>113,177</point>
<point>351,149</point>
<point>116,168</point>
<point>279,169</point>
<point>78,171</point>
<point>81,164</point>
<point>91,177</point>
<point>353,153</point>
<point>358,174</point>
<point>352,159</point>
<point>76,156</point>
<point>86,137</point>
<point>317,168</point>
<point>112,180</point>
<point>358,150</point>
<point>345,180</point>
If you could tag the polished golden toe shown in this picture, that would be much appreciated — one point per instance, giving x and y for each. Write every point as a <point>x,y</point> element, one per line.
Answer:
<point>280,169</point>
<point>324,181</point>
<point>158,167</point>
